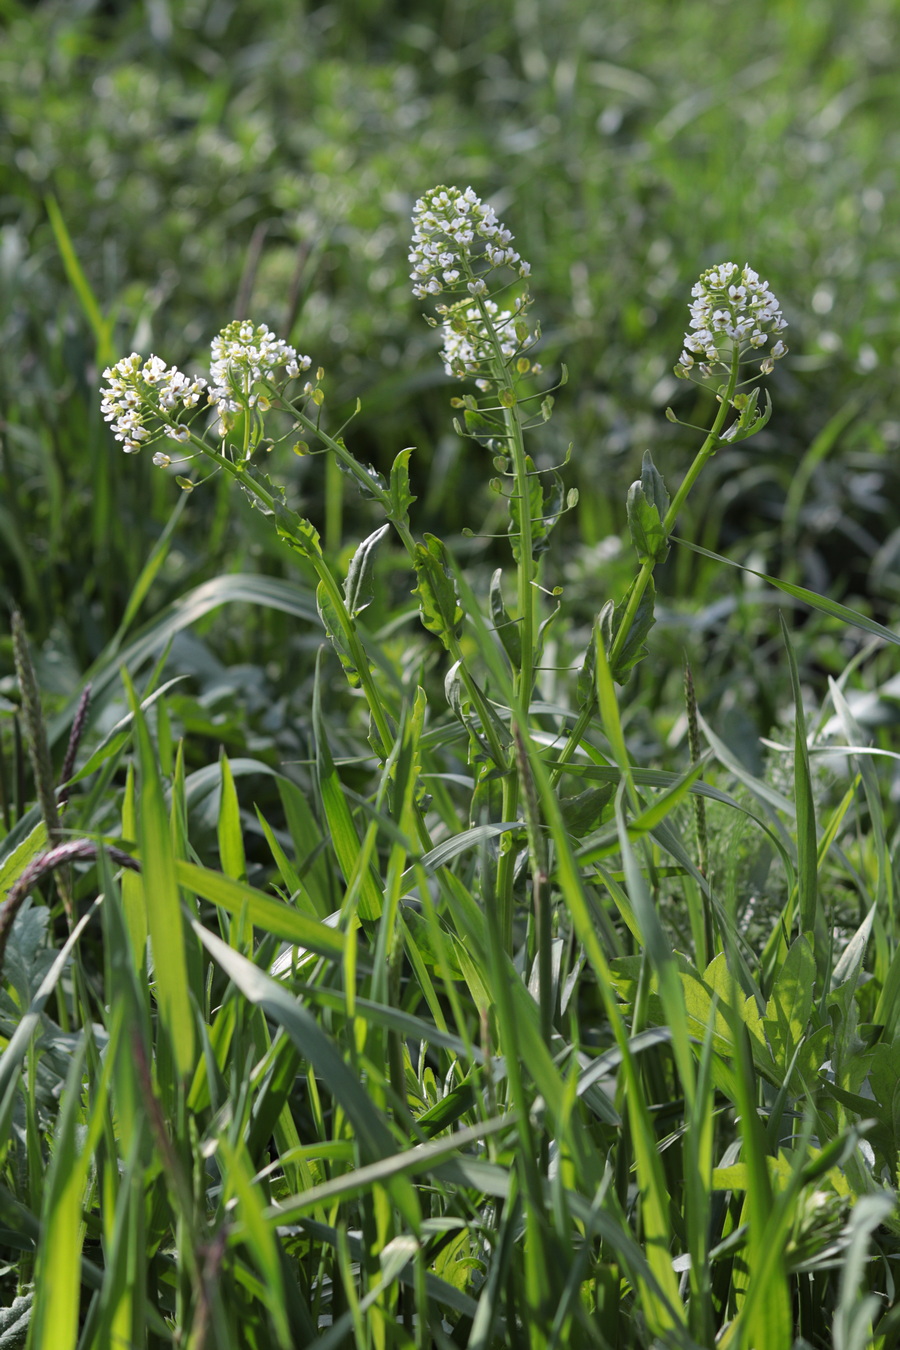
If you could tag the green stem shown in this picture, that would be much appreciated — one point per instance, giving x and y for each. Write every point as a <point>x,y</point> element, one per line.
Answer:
<point>476,698</point>
<point>708,448</point>
<point>573,741</point>
<point>710,445</point>
<point>523,682</point>
<point>335,594</point>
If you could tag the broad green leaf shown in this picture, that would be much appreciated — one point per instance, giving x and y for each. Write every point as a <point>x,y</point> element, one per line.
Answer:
<point>312,858</point>
<point>439,605</point>
<point>15,862</point>
<point>633,649</point>
<point>788,1009</point>
<point>230,834</point>
<point>359,587</point>
<point>331,621</point>
<point>132,887</point>
<point>646,505</point>
<point>401,496</point>
<point>264,912</point>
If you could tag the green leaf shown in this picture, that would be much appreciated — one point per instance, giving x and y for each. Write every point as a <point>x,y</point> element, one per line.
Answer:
<point>314,1044</point>
<point>15,862</point>
<point>370,482</point>
<point>102,326</point>
<point>439,605</point>
<point>750,421</point>
<point>507,629</point>
<point>359,587</point>
<point>634,650</point>
<point>585,810</point>
<point>163,902</point>
<point>586,688</point>
<point>645,520</point>
<point>133,904</point>
<point>819,602</point>
<point>238,1181</point>
<point>331,622</point>
<point>230,834</point>
<point>812,920</point>
<point>119,735</point>
<point>301,534</point>
<point>255,591</point>
<point>788,1009</point>
<point>344,838</point>
<point>263,911</point>
<point>401,496</point>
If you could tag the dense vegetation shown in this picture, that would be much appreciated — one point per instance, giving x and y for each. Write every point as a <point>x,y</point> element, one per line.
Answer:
<point>505,985</point>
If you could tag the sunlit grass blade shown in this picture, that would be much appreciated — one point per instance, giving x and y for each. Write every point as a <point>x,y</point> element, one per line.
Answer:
<point>263,911</point>
<point>162,900</point>
<point>314,1044</point>
<point>101,326</point>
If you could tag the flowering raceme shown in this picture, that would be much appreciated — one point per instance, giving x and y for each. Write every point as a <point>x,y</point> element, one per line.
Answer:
<point>243,357</point>
<point>144,398</point>
<point>457,240</point>
<point>733,312</point>
<point>468,346</point>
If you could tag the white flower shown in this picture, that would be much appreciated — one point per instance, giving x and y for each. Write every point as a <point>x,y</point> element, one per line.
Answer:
<point>454,233</point>
<point>732,310</point>
<point>244,357</point>
<point>142,399</point>
<point>468,345</point>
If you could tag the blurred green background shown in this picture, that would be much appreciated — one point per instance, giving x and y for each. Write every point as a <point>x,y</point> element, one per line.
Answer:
<point>213,159</point>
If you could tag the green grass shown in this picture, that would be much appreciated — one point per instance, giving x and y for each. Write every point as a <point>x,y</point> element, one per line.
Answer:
<point>459,1024</point>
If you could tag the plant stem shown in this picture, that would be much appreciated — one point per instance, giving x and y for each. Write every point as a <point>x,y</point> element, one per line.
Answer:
<point>708,448</point>
<point>476,698</point>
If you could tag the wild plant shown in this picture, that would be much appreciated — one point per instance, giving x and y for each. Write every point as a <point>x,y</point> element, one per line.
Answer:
<point>482,1099</point>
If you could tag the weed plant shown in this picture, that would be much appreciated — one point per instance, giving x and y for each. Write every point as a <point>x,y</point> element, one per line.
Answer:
<point>470,1025</point>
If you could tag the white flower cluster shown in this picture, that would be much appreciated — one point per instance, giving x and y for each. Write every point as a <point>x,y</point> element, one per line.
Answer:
<point>243,357</point>
<point>454,231</point>
<point>732,310</point>
<point>468,345</point>
<point>143,398</point>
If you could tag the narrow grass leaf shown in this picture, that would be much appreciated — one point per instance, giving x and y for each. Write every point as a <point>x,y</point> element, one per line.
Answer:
<point>101,325</point>
<point>237,1174</point>
<point>316,1047</point>
<point>162,899</point>
<point>344,837</point>
<point>822,603</point>
<point>812,920</point>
